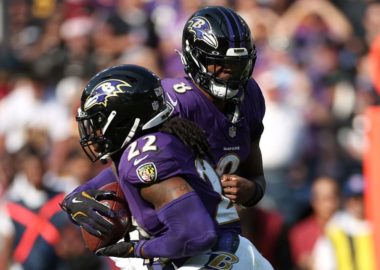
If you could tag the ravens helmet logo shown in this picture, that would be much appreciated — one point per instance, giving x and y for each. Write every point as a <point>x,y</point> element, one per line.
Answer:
<point>104,90</point>
<point>201,28</point>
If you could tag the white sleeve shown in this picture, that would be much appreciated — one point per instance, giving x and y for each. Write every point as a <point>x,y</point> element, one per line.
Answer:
<point>324,255</point>
<point>4,119</point>
<point>7,227</point>
<point>59,123</point>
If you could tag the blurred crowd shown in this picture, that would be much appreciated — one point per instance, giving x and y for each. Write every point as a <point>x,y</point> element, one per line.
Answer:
<point>312,67</point>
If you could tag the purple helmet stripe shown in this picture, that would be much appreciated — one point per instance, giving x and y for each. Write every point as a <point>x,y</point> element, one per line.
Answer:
<point>239,26</point>
<point>229,26</point>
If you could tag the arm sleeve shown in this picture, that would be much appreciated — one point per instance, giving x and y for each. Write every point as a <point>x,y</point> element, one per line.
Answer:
<point>258,110</point>
<point>259,191</point>
<point>190,230</point>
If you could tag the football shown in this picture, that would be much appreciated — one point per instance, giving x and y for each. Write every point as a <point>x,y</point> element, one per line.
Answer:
<point>121,223</point>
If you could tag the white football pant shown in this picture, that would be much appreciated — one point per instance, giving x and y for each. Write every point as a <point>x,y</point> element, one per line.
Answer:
<point>246,257</point>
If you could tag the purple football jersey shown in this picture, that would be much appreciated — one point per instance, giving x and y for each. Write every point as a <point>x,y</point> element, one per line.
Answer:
<point>230,143</point>
<point>154,158</point>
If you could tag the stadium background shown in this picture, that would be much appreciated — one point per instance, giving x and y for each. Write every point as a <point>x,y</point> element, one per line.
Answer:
<point>318,67</point>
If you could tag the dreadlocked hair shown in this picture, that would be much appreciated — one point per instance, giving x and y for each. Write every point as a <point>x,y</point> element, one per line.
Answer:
<point>190,134</point>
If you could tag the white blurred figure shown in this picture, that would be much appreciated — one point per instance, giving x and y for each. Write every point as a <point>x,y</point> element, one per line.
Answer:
<point>348,242</point>
<point>279,153</point>
<point>27,115</point>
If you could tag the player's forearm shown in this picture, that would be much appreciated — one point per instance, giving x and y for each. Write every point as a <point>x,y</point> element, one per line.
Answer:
<point>190,230</point>
<point>252,169</point>
<point>5,251</point>
<point>259,190</point>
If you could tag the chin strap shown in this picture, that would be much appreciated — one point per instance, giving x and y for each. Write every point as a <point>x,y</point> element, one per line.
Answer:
<point>183,60</point>
<point>232,110</point>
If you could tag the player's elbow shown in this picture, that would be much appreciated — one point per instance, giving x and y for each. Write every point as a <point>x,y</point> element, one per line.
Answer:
<point>189,232</point>
<point>200,243</point>
<point>195,239</point>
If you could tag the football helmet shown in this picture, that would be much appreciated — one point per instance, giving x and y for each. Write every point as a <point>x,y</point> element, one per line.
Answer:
<point>216,40</point>
<point>117,104</point>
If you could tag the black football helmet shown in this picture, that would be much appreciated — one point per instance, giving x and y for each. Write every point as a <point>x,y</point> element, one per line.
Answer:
<point>216,39</point>
<point>117,104</point>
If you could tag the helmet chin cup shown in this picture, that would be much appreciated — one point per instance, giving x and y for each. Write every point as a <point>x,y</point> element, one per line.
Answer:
<point>218,91</point>
<point>216,88</point>
<point>221,91</point>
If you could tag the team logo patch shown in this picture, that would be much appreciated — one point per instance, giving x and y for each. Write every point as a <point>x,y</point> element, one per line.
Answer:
<point>201,28</point>
<point>155,105</point>
<point>103,91</point>
<point>147,172</point>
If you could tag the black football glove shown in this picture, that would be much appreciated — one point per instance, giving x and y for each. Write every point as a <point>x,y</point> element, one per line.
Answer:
<point>87,211</point>
<point>121,249</point>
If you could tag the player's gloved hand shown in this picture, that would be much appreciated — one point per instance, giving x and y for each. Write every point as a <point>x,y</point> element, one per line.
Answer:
<point>87,211</point>
<point>122,249</point>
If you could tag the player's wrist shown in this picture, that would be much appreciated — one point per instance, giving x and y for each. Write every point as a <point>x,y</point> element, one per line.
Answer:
<point>257,195</point>
<point>138,248</point>
<point>251,202</point>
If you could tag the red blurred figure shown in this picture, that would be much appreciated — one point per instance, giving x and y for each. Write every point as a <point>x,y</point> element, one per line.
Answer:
<point>325,201</point>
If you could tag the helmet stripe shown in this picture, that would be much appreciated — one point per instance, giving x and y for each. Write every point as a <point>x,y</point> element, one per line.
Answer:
<point>239,27</point>
<point>233,25</point>
<point>229,26</point>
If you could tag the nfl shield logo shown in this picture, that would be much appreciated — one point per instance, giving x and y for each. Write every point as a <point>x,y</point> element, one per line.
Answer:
<point>232,131</point>
<point>155,105</point>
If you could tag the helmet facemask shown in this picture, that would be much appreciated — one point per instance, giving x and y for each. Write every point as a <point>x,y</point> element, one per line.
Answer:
<point>118,105</point>
<point>92,139</point>
<point>221,76</point>
<point>96,142</point>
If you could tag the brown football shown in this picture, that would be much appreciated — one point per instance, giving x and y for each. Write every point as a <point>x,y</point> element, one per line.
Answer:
<point>121,223</point>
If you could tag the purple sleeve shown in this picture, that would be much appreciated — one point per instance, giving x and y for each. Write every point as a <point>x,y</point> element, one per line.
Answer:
<point>106,176</point>
<point>175,98</point>
<point>170,159</point>
<point>257,110</point>
<point>189,231</point>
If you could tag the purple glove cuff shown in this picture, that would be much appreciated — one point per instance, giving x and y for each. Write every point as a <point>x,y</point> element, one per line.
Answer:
<point>138,248</point>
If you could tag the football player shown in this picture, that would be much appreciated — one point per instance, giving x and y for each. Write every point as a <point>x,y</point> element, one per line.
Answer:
<point>221,97</point>
<point>164,168</point>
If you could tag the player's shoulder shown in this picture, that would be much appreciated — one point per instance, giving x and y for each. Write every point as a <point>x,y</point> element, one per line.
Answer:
<point>181,93</point>
<point>253,103</point>
<point>150,157</point>
<point>253,89</point>
<point>178,87</point>
<point>253,94</point>
<point>153,144</point>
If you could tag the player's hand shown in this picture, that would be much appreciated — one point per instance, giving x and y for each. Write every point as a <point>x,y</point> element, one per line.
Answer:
<point>122,249</point>
<point>238,189</point>
<point>87,211</point>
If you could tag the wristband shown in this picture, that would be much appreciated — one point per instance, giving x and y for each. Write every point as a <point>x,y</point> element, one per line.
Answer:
<point>257,196</point>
